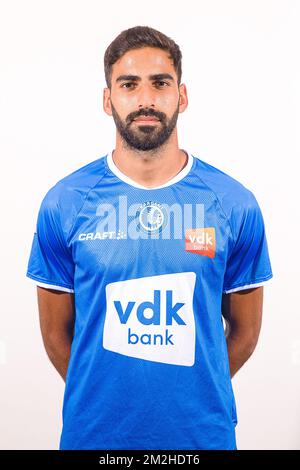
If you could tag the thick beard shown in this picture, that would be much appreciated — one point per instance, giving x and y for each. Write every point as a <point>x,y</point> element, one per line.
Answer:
<point>146,137</point>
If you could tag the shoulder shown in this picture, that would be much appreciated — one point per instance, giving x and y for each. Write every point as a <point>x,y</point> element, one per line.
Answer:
<point>230,192</point>
<point>73,187</point>
<point>82,179</point>
<point>64,200</point>
<point>237,203</point>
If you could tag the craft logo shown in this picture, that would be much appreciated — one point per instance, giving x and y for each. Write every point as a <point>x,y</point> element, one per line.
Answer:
<point>201,241</point>
<point>152,318</point>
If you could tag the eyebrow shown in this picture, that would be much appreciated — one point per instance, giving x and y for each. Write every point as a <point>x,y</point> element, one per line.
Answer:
<point>136,78</point>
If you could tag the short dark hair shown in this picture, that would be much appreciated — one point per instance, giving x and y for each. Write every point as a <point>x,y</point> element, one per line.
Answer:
<point>136,38</point>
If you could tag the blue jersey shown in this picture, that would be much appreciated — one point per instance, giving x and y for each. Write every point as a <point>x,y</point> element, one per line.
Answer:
<point>148,267</point>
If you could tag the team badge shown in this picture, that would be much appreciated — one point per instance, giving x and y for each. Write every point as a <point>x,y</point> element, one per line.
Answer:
<point>151,217</point>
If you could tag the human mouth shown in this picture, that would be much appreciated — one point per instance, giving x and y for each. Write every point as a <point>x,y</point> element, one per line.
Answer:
<point>147,119</point>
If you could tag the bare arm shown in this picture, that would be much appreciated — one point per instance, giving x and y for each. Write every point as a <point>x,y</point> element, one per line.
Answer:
<point>57,316</point>
<point>242,311</point>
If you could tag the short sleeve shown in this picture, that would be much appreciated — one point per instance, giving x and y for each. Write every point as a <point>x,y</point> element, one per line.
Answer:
<point>248,263</point>
<point>50,262</point>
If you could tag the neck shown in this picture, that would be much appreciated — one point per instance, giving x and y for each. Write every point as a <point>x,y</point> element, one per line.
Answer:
<point>150,168</point>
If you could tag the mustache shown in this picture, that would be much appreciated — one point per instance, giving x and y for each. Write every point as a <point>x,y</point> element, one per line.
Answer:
<point>146,112</point>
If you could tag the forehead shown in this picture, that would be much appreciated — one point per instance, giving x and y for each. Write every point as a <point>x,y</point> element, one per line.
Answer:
<point>144,61</point>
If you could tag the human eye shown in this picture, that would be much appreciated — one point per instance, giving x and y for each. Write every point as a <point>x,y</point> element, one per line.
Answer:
<point>127,85</point>
<point>161,83</point>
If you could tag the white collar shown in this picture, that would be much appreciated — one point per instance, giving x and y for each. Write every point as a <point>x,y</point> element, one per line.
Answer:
<point>112,166</point>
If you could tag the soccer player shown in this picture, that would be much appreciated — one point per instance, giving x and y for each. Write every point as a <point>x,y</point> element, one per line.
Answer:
<point>149,265</point>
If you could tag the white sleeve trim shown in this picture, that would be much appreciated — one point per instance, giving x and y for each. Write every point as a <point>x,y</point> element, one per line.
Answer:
<point>51,286</point>
<point>248,286</point>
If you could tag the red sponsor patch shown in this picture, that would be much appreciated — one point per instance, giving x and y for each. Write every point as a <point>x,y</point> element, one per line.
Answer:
<point>201,241</point>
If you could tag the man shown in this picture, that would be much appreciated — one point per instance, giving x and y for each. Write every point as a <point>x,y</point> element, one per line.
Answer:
<point>137,257</point>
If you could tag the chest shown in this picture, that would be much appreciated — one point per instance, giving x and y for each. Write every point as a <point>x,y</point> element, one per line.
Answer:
<point>123,234</point>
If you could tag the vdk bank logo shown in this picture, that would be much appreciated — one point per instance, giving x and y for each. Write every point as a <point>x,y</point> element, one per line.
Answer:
<point>152,318</point>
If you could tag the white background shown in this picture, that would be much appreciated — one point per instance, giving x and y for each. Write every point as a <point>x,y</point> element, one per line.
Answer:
<point>241,68</point>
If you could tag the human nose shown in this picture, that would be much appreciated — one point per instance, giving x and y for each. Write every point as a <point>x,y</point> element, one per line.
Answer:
<point>146,97</point>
